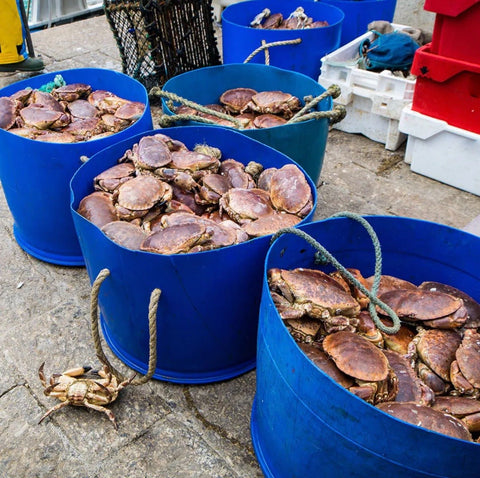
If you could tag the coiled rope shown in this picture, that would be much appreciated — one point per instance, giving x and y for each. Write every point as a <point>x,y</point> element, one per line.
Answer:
<point>324,257</point>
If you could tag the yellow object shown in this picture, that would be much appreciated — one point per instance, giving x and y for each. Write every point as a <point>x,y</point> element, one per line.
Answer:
<point>12,47</point>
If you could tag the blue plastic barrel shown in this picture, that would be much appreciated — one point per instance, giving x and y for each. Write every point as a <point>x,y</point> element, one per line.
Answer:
<point>35,175</point>
<point>303,422</point>
<point>304,142</point>
<point>208,311</point>
<point>239,39</point>
<point>359,13</point>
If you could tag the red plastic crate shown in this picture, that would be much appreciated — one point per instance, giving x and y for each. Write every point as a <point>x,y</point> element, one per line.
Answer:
<point>447,89</point>
<point>456,32</point>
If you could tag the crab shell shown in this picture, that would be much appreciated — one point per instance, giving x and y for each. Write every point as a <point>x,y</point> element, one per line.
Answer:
<point>356,356</point>
<point>274,102</point>
<point>236,99</point>
<point>465,370</point>
<point>435,351</point>
<point>136,196</point>
<point>268,120</point>
<point>426,417</point>
<point>82,109</point>
<point>235,172</point>
<point>8,112</point>
<point>323,362</point>
<point>193,161</point>
<point>435,308</point>
<point>410,387</point>
<point>150,153</point>
<point>176,239</point>
<point>111,178</point>
<point>290,191</point>
<point>243,205</point>
<point>72,92</point>
<point>270,224</point>
<point>466,409</point>
<point>98,208</point>
<point>36,116</point>
<point>125,234</point>
<point>472,306</point>
<point>314,292</point>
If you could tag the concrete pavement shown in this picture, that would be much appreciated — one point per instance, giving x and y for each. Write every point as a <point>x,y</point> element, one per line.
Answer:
<point>165,430</point>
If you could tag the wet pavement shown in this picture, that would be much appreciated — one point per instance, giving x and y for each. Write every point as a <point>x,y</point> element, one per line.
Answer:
<point>165,430</point>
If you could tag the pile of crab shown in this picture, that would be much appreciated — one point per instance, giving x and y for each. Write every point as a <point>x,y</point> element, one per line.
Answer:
<point>162,197</point>
<point>297,20</point>
<point>250,108</point>
<point>428,373</point>
<point>69,114</point>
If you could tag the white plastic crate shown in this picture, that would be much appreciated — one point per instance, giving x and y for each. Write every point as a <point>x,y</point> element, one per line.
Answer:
<point>442,152</point>
<point>374,101</point>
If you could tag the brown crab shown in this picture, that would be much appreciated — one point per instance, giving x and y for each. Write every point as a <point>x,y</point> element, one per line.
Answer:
<point>410,387</point>
<point>315,353</point>
<point>125,233</point>
<point>236,99</point>
<point>76,387</point>
<point>466,409</point>
<point>465,369</point>
<point>375,380</point>
<point>472,306</point>
<point>82,109</point>
<point>290,191</point>
<point>195,163</point>
<point>313,295</point>
<point>236,174</point>
<point>212,187</point>
<point>134,198</point>
<point>177,239</point>
<point>268,120</point>
<point>8,112</point>
<point>432,352</point>
<point>270,224</point>
<point>244,205</point>
<point>431,308</point>
<point>71,92</point>
<point>426,417</point>
<point>98,208</point>
<point>274,102</point>
<point>111,178</point>
<point>150,153</point>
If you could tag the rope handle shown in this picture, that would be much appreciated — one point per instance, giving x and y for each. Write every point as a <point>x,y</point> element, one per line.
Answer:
<point>324,257</point>
<point>265,47</point>
<point>336,114</point>
<point>152,322</point>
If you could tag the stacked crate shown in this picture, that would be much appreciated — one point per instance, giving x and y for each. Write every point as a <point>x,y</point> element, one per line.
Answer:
<point>443,121</point>
<point>448,69</point>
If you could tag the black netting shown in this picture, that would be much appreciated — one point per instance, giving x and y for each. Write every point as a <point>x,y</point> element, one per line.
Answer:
<point>160,39</point>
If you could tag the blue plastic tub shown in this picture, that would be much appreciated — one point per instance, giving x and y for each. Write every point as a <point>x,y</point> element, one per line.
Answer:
<point>359,13</point>
<point>303,142</point>
<point>208,311</point>
<point>239,40</point>
<point>304,423</point>
<point>35,175</point>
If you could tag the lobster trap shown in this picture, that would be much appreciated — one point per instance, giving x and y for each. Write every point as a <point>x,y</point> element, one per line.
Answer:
<point>161,39</point>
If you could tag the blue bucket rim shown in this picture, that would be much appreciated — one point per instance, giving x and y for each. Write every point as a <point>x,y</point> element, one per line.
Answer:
<point>39,80</point>
<point>137,137</point>
<point>239,5</point>
<point>256,66</point>
<point>277,243</point>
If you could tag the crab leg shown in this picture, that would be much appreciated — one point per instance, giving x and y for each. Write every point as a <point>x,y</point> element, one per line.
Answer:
<point>54,409</point>
<point>108,412</point>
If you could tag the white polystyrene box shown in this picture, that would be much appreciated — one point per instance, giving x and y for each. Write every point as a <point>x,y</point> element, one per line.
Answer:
<point>441,151</point>
<point>374,101</point>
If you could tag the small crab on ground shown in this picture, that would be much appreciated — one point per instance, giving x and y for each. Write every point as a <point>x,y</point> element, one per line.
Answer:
<point>76,387</point>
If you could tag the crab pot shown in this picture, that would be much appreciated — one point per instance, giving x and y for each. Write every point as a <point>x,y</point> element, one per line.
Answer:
<point>208,311</point>
<point>304,423</point>
<point>304,142</point>
<point>358,14</point>
<point>35,175</point>
<point>240,40</point>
